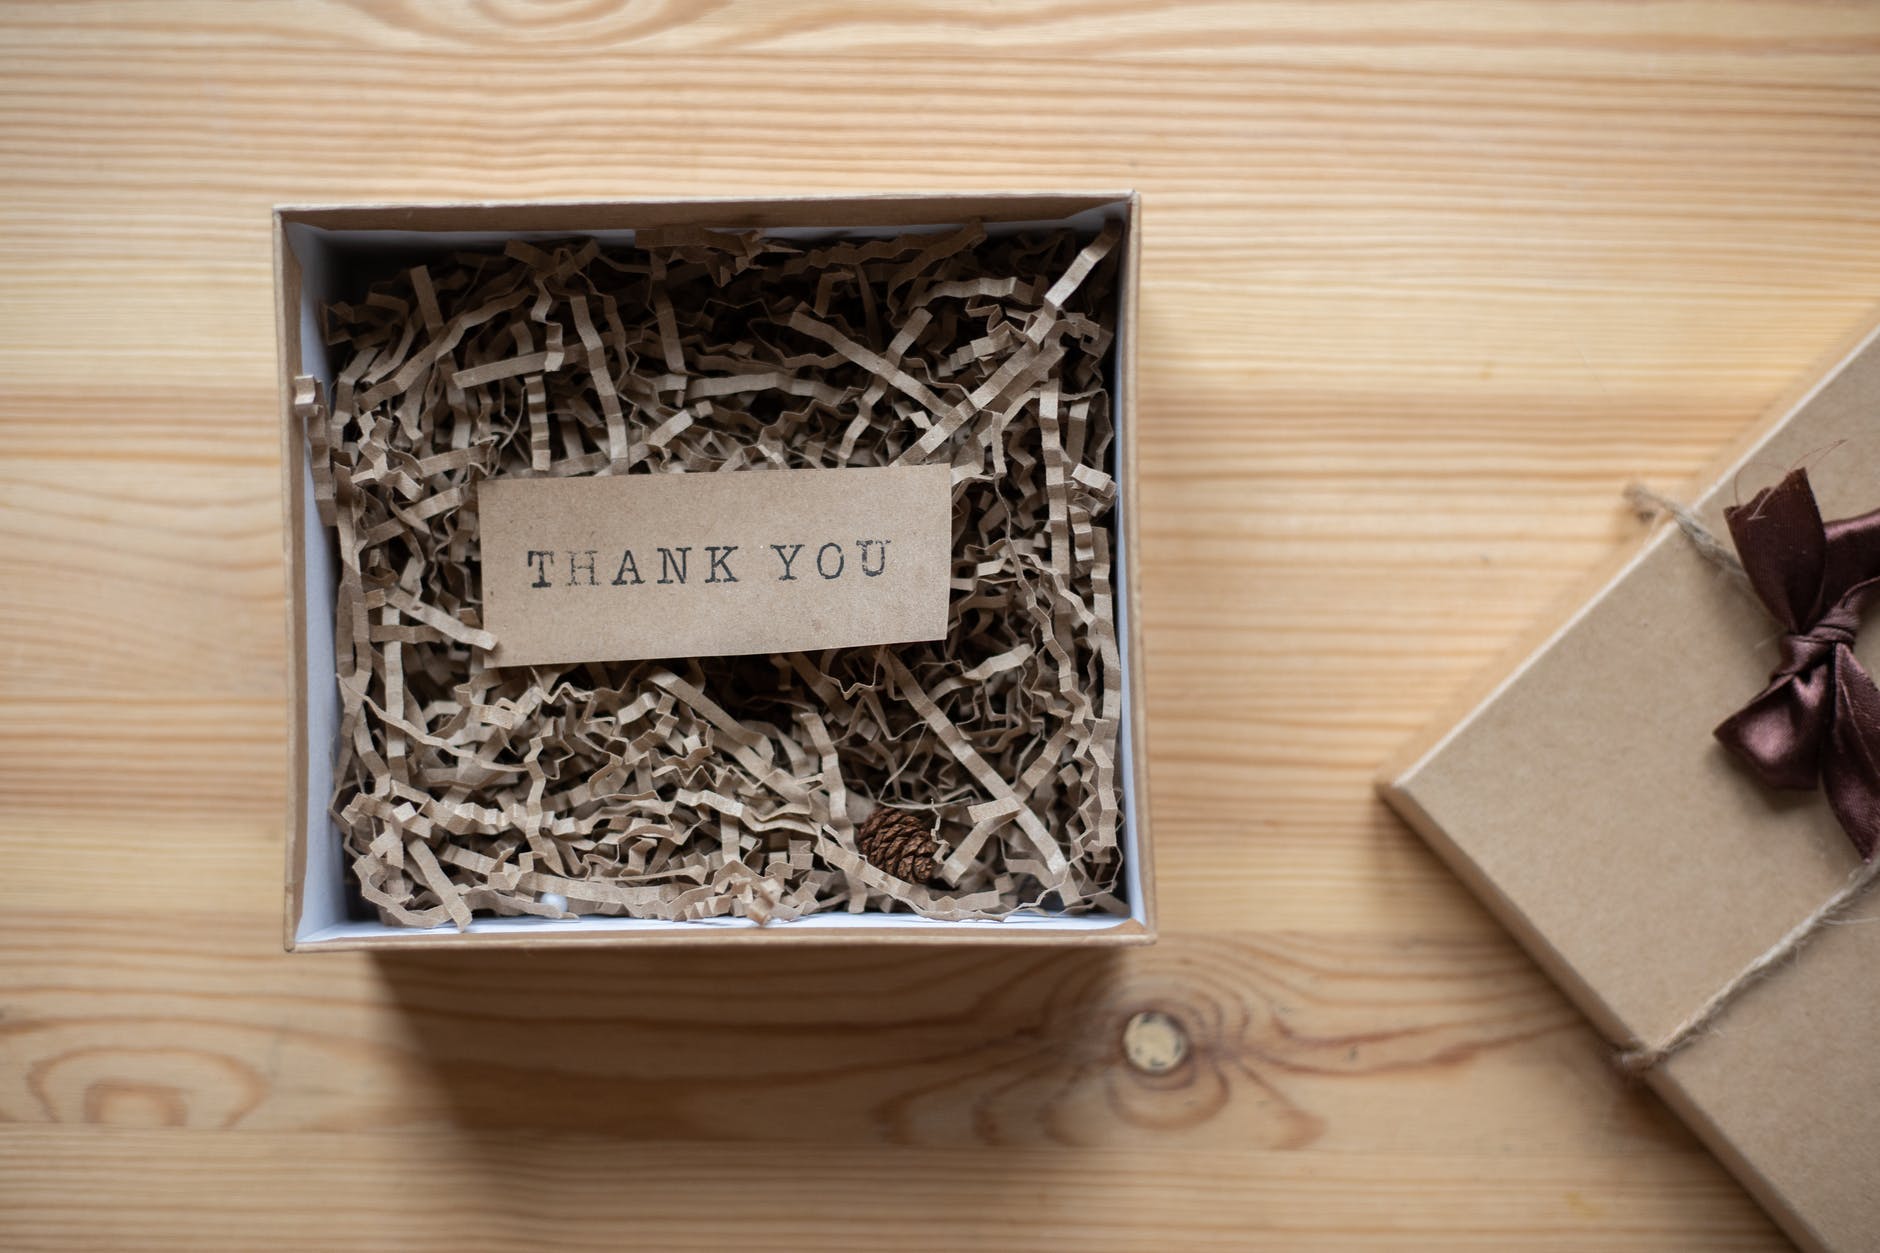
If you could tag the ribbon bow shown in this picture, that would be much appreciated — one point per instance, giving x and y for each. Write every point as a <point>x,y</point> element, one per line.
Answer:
<point>1818,721</point>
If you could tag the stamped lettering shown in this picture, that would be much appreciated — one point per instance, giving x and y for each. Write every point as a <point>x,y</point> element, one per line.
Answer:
<point>635,566</point>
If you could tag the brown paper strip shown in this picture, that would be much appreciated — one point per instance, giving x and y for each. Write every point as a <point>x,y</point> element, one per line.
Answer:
<point>721,787</point>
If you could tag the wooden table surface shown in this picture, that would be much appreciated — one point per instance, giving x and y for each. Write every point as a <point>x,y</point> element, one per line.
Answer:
<point>1424,286</point>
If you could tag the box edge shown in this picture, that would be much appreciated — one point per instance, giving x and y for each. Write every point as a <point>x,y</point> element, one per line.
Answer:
<point>287,348</point>
<point>1127,320</point>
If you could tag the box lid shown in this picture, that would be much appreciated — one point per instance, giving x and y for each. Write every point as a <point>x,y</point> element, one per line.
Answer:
<point>1584,798</point>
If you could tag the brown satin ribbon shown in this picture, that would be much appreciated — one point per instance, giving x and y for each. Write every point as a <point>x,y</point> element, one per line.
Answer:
<point>1818,721</point>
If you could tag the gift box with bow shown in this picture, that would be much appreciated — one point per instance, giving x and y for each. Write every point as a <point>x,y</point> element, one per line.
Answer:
<point>1671,798</point>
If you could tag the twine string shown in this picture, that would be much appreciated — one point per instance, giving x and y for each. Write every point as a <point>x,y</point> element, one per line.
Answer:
<point>1639,1060</point>
<point>1650,504</point>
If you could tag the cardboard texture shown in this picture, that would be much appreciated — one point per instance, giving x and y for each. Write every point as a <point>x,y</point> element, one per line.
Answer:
<point>321,254</point>
<point>695,565</point>
<point>1584,799</point>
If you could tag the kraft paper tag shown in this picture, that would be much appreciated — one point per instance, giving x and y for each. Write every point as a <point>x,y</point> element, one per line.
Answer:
<point>628,567</point>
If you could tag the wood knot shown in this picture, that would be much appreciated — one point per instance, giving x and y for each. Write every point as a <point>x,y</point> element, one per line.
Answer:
<point>899,843</point>
<point>1154,1043</point>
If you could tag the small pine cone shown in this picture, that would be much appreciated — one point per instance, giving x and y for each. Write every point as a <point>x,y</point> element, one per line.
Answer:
<point>899,843</point>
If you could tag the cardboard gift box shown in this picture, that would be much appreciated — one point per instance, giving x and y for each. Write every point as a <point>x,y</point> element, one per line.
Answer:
<point>321,254</point>
<point>1583,796</point>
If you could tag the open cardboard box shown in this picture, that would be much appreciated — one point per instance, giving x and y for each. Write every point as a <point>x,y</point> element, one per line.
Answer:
<point>327,253</point>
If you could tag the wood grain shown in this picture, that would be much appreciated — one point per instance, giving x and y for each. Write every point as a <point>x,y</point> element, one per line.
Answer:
<point>1424,286</point>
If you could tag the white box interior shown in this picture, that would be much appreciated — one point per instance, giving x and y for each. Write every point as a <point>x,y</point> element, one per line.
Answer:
<point>324,917</point>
